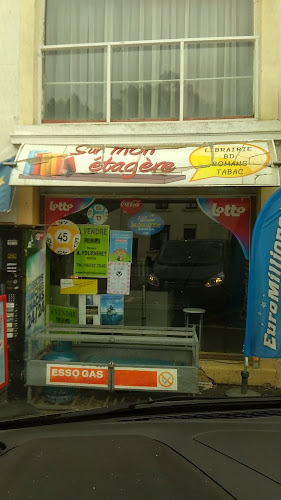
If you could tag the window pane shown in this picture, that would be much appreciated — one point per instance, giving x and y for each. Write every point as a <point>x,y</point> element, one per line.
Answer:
<point>218,60</point>
<point>70,21</point>
<point>145,101</point>
<point>75,66</point>
<point>160,62</point>
<point>218,98</point>
<point>72,102</point>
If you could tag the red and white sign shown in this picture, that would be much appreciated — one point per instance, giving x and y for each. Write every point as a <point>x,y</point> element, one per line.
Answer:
<point>159,379</point>
<point>130,206</point>
<point>78,375</point>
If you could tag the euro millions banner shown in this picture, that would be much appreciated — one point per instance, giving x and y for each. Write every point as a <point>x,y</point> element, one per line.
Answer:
<point>263,323</point>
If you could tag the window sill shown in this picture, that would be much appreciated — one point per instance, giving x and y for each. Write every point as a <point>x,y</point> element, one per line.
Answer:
<point>150,133</point>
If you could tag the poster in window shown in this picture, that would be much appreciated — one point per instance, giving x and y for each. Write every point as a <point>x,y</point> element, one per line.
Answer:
<point>3,343</point>
<point>112,309</point>
<point>91,257</point>
<point>89,309</point>
<point>120,248</point>
<point>59,315</point>
<point>35,292</point>
<point>118,280</point>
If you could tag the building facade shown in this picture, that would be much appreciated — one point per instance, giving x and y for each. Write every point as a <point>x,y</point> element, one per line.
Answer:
<point>161,119</point>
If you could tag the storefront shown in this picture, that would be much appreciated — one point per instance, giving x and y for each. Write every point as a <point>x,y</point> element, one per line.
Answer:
<point>130,237</point>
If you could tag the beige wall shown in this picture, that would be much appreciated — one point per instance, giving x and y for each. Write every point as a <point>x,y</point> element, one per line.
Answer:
<point>31,36</point>
<point>9,82</point>
<point>268,17</point>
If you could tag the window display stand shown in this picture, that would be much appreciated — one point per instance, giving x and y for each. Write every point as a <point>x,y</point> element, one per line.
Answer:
<point>112,359</point>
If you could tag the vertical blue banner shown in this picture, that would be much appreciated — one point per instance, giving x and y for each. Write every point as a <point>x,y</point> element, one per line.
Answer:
<point>263,323</point>
<point>5,189</point>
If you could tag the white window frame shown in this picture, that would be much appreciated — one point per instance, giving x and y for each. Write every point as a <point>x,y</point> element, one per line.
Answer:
<point>182,42</point>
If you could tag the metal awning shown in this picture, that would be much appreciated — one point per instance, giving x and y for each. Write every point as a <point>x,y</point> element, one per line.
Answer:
<point>210,164</point>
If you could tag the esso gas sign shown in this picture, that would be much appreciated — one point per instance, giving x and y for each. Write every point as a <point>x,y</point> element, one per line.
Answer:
<point>130,206</point>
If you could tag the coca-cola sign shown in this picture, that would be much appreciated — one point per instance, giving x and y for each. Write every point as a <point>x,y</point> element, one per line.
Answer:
<point>130,206</point>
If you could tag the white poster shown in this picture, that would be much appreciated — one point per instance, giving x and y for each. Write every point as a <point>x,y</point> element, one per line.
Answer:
<point>118,278</point>
<point>89,309</point>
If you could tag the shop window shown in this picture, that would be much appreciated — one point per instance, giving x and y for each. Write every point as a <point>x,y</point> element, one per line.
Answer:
<point>157,72</point>
<point>173,263</point>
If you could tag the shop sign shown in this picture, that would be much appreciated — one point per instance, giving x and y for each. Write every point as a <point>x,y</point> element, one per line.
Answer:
<point>209,164</point>
<point>124,377</point>
<point>90,259</point>
<point>3,343</point>
<point>78,375</point>
<point>232,213</point>
<point>146,223</point>
<point>57,207</point>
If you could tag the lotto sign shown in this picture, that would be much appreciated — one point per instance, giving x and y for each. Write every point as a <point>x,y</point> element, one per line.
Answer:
<point>63,237</point>
<point>78,375</point>
<point>158,379</point>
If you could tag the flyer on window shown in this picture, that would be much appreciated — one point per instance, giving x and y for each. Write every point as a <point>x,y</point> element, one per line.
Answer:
<point>118,278</point>
<point>3,343</point>
<point>121,243</point>
<point>89,309</point>
<point>91,257</point>
<point>112,309</point>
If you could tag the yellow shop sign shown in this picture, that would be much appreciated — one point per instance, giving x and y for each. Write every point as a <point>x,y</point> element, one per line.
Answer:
<point>228,160</point>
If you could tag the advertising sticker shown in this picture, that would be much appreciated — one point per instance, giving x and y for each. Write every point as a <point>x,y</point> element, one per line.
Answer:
<point>232,213</point>
<point>146,223</point>
<point>58,208</point>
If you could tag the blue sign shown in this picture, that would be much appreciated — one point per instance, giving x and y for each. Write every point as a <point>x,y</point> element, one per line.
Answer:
<point>120,248</point>
<point>146,223</point>
<point>263,324</point>
<point>5,189</point>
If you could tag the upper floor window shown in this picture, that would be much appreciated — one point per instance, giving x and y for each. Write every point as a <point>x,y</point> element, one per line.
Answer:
<point>138,60</point>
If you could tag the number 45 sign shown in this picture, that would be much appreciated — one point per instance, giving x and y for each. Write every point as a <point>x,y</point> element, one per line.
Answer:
<point>63,237</point>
